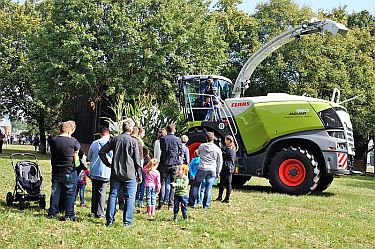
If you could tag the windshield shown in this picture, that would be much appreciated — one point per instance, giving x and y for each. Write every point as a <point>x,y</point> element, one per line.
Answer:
<point>195,90</point>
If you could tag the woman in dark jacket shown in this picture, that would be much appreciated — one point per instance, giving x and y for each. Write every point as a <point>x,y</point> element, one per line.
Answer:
<point>229,156</point>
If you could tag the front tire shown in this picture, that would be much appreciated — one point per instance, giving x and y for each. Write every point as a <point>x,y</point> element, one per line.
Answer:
<point>22,203</point>
<point>324,182</point>
<point>294,171</point>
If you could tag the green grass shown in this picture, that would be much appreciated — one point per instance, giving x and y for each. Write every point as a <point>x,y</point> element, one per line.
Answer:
<point>342,217</point>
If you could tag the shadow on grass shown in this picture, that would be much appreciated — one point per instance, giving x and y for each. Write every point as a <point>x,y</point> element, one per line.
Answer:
<point>323,194</point>
<point>30,206</point>
<point>270,190</point>
<point>252,188</point>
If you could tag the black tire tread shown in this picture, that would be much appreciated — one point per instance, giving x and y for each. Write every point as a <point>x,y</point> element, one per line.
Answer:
<point>305,187</point>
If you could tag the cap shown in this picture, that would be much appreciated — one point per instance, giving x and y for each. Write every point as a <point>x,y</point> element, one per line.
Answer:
<point>210,77</point>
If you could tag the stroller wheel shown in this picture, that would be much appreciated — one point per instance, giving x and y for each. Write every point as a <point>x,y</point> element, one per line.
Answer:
<point>9,199</point>
<point>42,202</point>
<point>22,203</point>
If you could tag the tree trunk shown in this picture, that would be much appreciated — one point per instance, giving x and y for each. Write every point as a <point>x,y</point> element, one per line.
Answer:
<point>361,147</point>
<point>42,132</point>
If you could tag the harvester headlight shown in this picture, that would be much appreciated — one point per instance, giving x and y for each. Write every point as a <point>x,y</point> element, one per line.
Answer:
<point>330,119</point>
<point>336,134</point>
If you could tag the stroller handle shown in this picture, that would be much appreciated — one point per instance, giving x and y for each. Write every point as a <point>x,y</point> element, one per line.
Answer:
<point>12,156</point>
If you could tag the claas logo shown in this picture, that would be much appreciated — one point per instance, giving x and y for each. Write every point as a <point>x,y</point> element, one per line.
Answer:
<point>239,104</point>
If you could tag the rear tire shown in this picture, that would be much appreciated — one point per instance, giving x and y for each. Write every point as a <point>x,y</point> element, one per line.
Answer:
<point>9,199</point>
<point>42,202</point>
<point>324,182</point>
<point>239,181</point>
<point>294,171</point>
<point>22,203</point>
<point>197,137</point>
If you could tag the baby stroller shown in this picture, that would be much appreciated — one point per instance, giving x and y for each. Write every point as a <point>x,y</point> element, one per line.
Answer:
<point>28,182</point>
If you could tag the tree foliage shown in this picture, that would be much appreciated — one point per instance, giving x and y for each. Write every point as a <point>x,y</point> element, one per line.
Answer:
<point>55,52</point>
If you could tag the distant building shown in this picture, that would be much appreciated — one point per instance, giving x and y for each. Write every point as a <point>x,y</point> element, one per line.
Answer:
<point>5,124</point>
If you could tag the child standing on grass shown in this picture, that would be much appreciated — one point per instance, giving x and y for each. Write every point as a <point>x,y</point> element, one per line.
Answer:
<point>141,186</point>
<point>152,184</point>
<point>180,197</point>
<point>82,173</point>
<point>193,169</point>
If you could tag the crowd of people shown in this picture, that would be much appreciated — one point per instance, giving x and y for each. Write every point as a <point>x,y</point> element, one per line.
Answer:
<point>124,163</point>
<point>10,138</point>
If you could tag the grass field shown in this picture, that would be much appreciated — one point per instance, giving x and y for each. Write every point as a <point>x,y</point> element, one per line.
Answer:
<point>342,217</point>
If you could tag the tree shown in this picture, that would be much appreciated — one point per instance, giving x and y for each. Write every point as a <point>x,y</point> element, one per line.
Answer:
<point>106,47</point>
<point>279,70</point>
<point>90,49</point>
<point>17,23</point>
<point>240,32</point>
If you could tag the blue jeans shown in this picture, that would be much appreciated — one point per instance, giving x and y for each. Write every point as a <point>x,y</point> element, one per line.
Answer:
<point>210,177</point>
<point>63,185</point>
<point>128,187</point>
<point>167,189</point>
<point>151,196</point>
<point>177,200</point>
<point>201,190</point>
<point>140,190</point>
<point>81,191</point>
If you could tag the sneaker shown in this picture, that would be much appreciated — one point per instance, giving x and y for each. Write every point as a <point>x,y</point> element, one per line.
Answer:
<point>71,218</point>
<point>159,207</point>
<point>51,216</point>
<point>218,199</point>
<point>225,201</point>
<point>170,208</point>
<point>109,224</point>
<point>175,219</point>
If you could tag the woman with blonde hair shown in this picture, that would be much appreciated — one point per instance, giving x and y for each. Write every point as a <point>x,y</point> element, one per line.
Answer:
<point>229,156</point>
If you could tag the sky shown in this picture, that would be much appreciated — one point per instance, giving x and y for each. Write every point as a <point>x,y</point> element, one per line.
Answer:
<point>352,5</point>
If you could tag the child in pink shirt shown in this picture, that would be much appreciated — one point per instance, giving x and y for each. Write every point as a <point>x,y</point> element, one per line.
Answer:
<point>152,184</point>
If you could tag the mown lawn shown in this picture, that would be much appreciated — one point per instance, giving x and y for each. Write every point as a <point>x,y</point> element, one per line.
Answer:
<point>341,217</point>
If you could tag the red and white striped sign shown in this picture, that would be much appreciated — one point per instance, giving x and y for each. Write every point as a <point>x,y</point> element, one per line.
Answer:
<point>342,160</point>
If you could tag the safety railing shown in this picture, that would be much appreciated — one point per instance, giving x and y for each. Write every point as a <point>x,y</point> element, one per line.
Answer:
<point>216,111</point>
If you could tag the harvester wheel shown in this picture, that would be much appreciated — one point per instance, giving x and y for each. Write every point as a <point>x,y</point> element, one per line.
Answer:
<point>294,171</point>
<point>196,138</point>
<point>324,182</point>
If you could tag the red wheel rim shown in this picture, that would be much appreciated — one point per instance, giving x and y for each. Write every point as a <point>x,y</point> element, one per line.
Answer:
<point>292,172</point>
<point>192,147</point>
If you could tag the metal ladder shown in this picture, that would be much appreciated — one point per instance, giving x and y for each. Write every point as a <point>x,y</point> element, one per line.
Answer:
<point>222,106</point>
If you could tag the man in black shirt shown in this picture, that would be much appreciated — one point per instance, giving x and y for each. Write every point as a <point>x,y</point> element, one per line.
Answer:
<point>171,150</point>
<point>64,176</point>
